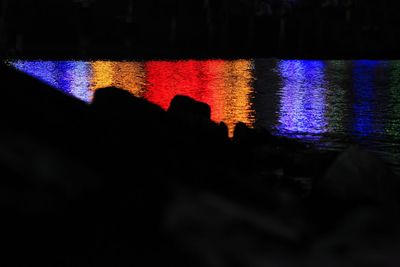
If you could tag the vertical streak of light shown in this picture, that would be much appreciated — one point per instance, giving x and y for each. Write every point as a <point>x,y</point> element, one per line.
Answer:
<point>102,74</point>
<point>162,87</point>
<point>80,84</point>
<point>364,97</point>
<point>216,87</point>
<point>62,74</point>
<point>393,125</point>
<point>167,79</point>
<point>130,76</point>
<point>238,87</point>
<point>302,98</point>
<point>336,96</point>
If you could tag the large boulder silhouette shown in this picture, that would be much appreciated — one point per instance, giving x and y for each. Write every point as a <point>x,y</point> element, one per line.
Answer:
<point>186,106</point>
<point>29,105</point>
<point>41,132</point>
<point>357,175</point>
<point>46,182</point>
<point>244,135</point>
<point>190,121</point>
<point>112,100</point>
<point>213,230</point>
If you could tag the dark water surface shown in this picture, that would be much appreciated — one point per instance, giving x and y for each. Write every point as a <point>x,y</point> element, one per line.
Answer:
<point>331,104</point>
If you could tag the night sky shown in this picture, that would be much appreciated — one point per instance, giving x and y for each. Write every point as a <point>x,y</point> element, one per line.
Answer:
<point>201,28</point>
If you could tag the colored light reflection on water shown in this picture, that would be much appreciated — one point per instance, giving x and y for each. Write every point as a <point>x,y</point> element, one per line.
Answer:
<point>364,75</point>
<point>337,106</point>
<point>302,98</point>
<point>224,85</point>
<point>126,75</point>
<point>392,127</point>
<point>329,103</point>
<point>71,77</point>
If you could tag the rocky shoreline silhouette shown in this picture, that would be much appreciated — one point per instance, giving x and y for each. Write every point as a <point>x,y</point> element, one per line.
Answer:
<point>120,182</point>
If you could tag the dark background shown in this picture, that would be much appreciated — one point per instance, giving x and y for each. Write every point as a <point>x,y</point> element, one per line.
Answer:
<point>200,28</point>
<point>120,182</point>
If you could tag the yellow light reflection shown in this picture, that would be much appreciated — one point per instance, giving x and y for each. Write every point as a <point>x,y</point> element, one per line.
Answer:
<point>129,76</point>
<point>102,74</point>
<point>238,89</point>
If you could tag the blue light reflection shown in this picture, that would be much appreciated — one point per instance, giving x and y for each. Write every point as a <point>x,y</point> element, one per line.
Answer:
<point>70,77</point>
<point>363,88</point>
<point>42,70</point>
<point>302,98</point>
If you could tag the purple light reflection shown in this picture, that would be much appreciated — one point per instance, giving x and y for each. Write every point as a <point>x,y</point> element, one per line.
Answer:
<point>302,98</point>
<point>80,85</point>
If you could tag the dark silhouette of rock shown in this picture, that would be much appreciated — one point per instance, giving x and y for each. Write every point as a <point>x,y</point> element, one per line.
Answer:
<point>259,148</point>
<point>193,118</point>
<point>41,133</point>
<point>112,100</point>
<point>355,238</point>
<point>244,135</point>
<point>47,182</point>
<point>308,163</point>
<point>121,181</point>
<point>30,105</point>
<point>123,121</point>
<point>224,131</point>
<point>187,107</point>
<point>133,131</point>
<point>357,175</point>
<point>217,231</point>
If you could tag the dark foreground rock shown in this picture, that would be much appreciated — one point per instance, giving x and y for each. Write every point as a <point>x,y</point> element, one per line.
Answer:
<point>357,175</point>
<point>121,182</point>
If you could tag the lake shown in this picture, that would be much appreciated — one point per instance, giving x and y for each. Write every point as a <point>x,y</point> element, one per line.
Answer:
<point>331,104</point>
